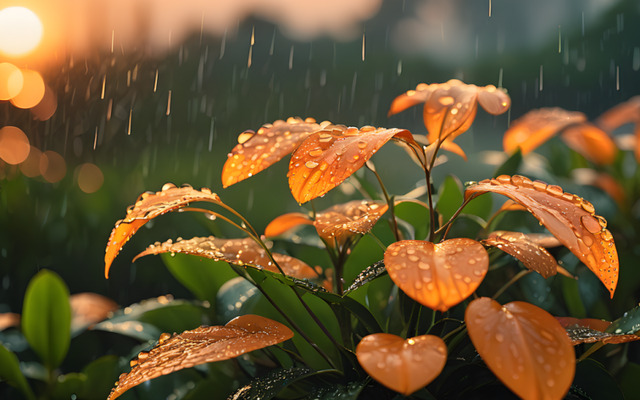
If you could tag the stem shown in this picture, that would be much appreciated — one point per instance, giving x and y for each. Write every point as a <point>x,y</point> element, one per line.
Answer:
<point>389,201</point>
<point>596,346</point>
<point>513,280</point>
<point>448,224</point>
<point>432,213</point>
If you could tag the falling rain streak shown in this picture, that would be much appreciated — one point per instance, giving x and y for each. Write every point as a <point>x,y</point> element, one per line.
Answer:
<point>489,8</point>
<point>363,45</point>
<point>169,103</point>
<point>253,41</point>
<point>104,84</point>
<point>291,58</point>
<point>540,84</point>
<point>129,125</point>
<point>155,82</point>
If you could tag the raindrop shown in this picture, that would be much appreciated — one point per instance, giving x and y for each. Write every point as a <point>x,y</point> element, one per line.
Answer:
<point>291,58</point>
<point>155,82</point>
<point>363,44</point>
<point>169,104</point>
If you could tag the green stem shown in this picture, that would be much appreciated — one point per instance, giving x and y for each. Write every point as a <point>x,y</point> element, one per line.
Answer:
<point>595,347</point>
<point>447,225</point>
<point>389,201</point>
<point>513,280</point>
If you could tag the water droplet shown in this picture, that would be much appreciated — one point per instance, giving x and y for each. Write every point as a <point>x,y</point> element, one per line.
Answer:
<point>315,153</point>
<point>311,164</point>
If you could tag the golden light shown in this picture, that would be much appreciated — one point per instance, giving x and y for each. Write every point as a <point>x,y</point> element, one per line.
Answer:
<point>90,178</point>
<point>20,31</point>
<point>32,90</point>
<point>11,81</point>
<point>52,166</point>
<point>31,166</point>
<point>47,106</point>
<point>14,145</point>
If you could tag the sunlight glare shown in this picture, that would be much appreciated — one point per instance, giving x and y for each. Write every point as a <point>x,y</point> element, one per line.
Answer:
<point>20,31</point>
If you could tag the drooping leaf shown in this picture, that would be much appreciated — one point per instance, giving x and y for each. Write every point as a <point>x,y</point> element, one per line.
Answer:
<point>329,156</point>
<point>592,142</point>
<point>257,151</point>
<point>235,251</point>
<point>589,330</point>
<point>402,365</point>
<point>268,387</point>
<point>342,221</point>
<point>568,217</point>
<point>537,126</point>
<point>440,275</point>
<point>518,245</point>
<point>527,349</point>
<point>46,317</point>
<point>89,308</point>
<point>367,275</point>
<point>202,345</point>
<point>411,98</point>
<point>286,222</point>
<point>10,372</point>
<point>148,206</point>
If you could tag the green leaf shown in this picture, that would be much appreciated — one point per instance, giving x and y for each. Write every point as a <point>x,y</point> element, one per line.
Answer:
<point>628,378</point>
<point>68,385</point>
<point>339,392</point>
<point>628,324</point>
<point>594,380</point>
<point>367,275</point>
<point>417,215</point>
<point>571,292</point>
<point>175,317</point>
<point>101,374</point>
<point>10,372</point>
<point>268,387</point>
<point>46,317</point>
<point>450,197</point>
<point>511,166</point>
<point>480,206</point>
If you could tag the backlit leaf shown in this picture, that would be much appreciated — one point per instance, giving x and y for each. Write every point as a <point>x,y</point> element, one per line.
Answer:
<point>235,251</point>
<point>342,221</point>
<point>402,365</point>
<point>518,245</point>
<point>568,217</point>
<point>255,152</point>
<point>621,114</point>
<point>439,275</point>
<point>537,126</point>
<point>589,330</point>
<point>524,346</point>
<point>285,222</point>
<point>329,156</point>
<point>148,206</point>
<point>89,308</point>
<point>592,142</point>
<point>202,345</point>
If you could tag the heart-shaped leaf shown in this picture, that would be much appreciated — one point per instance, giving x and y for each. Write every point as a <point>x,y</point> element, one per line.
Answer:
<point>527,349</point>
<point>402,365</point>
<point>518,245</point>
<point>202,345</point>
<point>568,217</point>
<point>438,276</point>
<point>148,206</point>
<point>592,142</point>
<point>342,221</point>
<point>286,222</point>
<point>234,251</point>
<point>589,330</point>
<point>329,156</point>
<point>257,151</point>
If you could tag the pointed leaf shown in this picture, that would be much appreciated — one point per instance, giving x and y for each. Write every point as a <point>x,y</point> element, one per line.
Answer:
<point>518,245</point>
<point>328,157</point>
<point>440,275</point>
<point>411,98</point>
<point>272,142</point>
<point>202,345</point>
<point>592,142</point>
<point>402,365</point>
<point>10,372</point>
<point>235,251</point>
<point>568,217</point>
<point>148,206</point>
<point>342,221</point>
<point>367,275</point>
<point>286,222</point>
<point>589,330</point>
<point>628,324</point>
<point>538,126</point>
<point>524,346</point>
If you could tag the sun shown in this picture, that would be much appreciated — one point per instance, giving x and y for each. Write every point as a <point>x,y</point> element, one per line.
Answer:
<point>20,31</point>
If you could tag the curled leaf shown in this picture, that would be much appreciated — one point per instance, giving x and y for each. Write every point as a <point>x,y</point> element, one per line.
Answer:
<point>257,151</point>
<point>518,245</point>
<point>286,222</point>
<point>342,221</point>
<point>234,251</point>
<point>568,217</point>
<point>202,345</point>
<point>148,206</point>
<point>440,275</point>
<point>589,330</point>
<point>329,156</point>
<point>402,365</point>
<point>524,346</point>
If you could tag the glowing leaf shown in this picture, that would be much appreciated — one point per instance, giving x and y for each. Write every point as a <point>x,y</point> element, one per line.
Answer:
<point>328,157</point>
<point>621,114</point>
<point>202,345</point>
<point>590,330</point>
<point>454,148</point>
<point>148,206</point>
<point>9,320</point>
<point>255,152</point>
<point>412,97</point>
<point>524,346</point>
<point>402,365</point>
<point>440,275</point>
<point>568,217</point>
<point>538,126</point>
<point>234,251</point>
<point>518,245</point>
<point>286,222</point>
<point>342,221</point>
<point>592,142</point>
<point>89,308</point>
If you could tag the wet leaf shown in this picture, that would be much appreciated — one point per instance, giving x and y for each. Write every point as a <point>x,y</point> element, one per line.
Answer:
<point>268,387</point>
<point>148,206</point>
<point>589,330</point>
<point>628,324</point>
<point>10,372</point>
<point>272,142</point>
<point>537,126</point>
<point>367,275</point>
<point>89,308</point>
<point>591,142</point>
<point>568,217</point>
<point>286,222</point>
<point>518,245</point>
<point>402,365</point>
<point>440,275</point>
<point>235,251</point>
<point>527,349</point>
<point>202,345</point>
<point>329,156</point>
<point>342,221</point>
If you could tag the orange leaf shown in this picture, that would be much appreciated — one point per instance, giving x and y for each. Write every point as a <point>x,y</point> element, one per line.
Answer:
<point>202,345</point>
<point>402,365</point>
<point>453,147</point>
<point>89,308</point>
<point>234,251</point>
<point>568,217</point>
<point>592,142</point>
<point>621,114</point>
<point>328,157</point>
<point>255,152</point>
<point>286,222</point>
<point>538,126</point>
<point>518,245</point>
<point>411,98</point>
<point>524,346</point>
<point>589,330</point>
<point>9,320</point>
<point>438,276</point>
<point>148,206</point>
<point>342,221</point>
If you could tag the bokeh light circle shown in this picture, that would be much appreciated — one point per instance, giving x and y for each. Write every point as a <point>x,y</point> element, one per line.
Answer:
<point>31,166</point>
<point>32,90</point>
<point>52,166</point>
<point>20,31</point>
<point>11,81</point>
<point>14,145</point>
<point>90,178</point>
